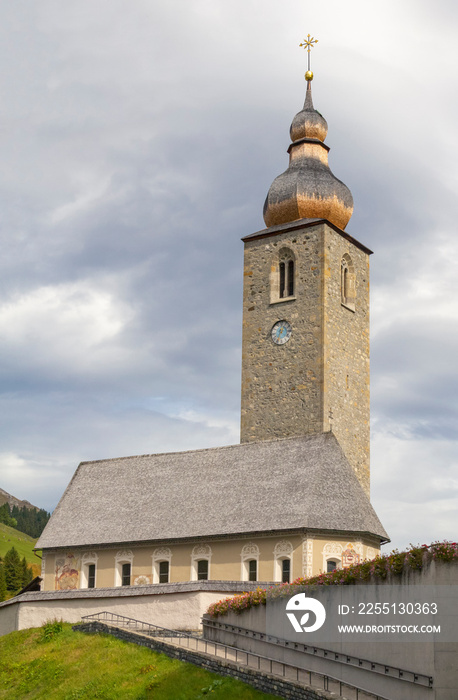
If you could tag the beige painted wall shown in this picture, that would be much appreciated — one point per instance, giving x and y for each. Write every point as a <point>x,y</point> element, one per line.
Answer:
<point>65,570</point>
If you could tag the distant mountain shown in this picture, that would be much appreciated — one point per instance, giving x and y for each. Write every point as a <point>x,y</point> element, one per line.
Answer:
<point>6,497</point>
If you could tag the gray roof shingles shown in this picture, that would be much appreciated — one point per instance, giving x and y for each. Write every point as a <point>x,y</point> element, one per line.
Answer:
<point>288,484</point>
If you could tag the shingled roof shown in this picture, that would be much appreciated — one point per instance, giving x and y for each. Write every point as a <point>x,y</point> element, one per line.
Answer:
<point>273,485</point>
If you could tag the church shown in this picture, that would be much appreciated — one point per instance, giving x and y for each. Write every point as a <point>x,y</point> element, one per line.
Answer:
<point>292,499</point>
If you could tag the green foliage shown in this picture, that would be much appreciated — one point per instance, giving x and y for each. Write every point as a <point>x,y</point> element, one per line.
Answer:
<point>415,556</point>
<point>2,584</point>
<point>211,688</point>
<point>22,542</point>
<point>50,629</point>
<point>5,516</point>
<point>26,572</point>
<point>397,561</point>
<point>32,521</point>
<point>75,666</point>
<point>16,571</point>
<point>238,603</point>
<point>444,551</point>
<point>381,567</point>
<point>13,570</point>
<point>365,570</point>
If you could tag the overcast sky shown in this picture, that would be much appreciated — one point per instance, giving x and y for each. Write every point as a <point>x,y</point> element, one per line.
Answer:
<point>138,140</point>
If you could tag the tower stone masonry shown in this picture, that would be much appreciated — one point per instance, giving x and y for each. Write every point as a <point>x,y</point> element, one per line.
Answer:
<point>310,274</point>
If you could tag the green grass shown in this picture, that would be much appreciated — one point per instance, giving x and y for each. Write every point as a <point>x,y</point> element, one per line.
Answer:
<point>9,537</point>
<point>66,665</point>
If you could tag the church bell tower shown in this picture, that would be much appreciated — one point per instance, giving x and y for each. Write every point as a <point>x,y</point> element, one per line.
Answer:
<point>305,348</point>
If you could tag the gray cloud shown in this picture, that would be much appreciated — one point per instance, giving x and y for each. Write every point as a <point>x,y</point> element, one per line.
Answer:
<point>138,144</point>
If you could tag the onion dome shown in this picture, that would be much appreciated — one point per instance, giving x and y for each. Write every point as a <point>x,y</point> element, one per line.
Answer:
<point>308,189</point>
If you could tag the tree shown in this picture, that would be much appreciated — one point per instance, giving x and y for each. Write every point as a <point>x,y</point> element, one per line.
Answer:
<point>2,583</point>
<point>5,516</point>
<point>13,570</point>
<point>32,521</point>
<point>26,572</point>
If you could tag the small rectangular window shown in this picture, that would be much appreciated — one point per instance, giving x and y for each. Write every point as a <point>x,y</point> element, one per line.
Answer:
<point>252,570</point>
<point>91,576</point>
<point>331,565</point>
<point>285,570</point>
<point>163,572</point>
<point>126,574</point>
<point>202,570</point>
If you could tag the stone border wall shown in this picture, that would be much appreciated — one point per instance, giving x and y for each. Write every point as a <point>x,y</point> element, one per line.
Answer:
<point>262,681</point>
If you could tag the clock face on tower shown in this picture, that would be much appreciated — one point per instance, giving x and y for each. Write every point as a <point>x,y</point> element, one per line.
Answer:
<point>281,332</point>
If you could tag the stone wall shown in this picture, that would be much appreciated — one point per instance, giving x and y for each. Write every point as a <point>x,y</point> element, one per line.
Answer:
<point>291,389</point>
<point>262,681</point>
<point>282,384</point>
<point>346,380</point>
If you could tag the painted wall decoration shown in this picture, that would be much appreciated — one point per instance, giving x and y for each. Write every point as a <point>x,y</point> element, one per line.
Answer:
<point>371,553</point>
<point>142,580</point>
<point>250,551</point>
<point>67,572</point>
<point>333,551</point>
<point>350,555</point>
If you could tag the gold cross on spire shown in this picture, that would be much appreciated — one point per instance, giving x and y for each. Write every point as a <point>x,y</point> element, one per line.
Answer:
<point>308,44</point>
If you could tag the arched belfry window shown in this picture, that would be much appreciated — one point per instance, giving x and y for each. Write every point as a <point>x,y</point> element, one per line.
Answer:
<point>286,286</point>
<point>347,282</point>
<point>283,280</point>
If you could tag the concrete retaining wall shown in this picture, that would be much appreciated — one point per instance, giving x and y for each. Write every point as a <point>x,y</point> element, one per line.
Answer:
<point>436,659</point>
<point>172,605</point>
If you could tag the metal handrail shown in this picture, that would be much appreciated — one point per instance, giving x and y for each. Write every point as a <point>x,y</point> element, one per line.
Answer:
<point>131,623</point>
<point>373,666</point>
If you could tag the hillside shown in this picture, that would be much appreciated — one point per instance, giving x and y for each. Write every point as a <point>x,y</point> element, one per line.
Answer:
<point>9,537</point>
<point>66,665</point>
<point>6,497</point>
<point>22,515</point>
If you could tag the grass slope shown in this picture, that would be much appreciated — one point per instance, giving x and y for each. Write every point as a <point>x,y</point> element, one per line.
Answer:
<point>9,537</point>
<point>75,666</point>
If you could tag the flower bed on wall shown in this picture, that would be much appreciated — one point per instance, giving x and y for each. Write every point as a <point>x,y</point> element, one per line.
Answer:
<point>394,563</point>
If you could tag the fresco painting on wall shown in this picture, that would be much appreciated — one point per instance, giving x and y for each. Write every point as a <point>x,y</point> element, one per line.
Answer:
<point>350,555</point>
<point>67,573</point>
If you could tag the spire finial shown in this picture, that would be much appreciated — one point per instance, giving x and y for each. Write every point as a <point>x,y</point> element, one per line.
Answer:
<point>308,44</point>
